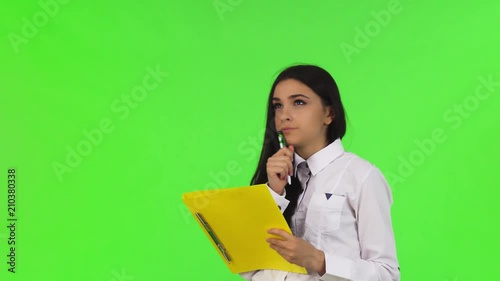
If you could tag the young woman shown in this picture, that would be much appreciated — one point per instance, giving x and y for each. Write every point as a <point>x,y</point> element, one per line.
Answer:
<point>338,204</point>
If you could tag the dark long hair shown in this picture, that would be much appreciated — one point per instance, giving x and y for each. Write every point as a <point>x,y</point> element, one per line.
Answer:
<point>323,84</point>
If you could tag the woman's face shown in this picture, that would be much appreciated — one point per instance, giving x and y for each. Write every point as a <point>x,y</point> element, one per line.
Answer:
<point>301,116</point>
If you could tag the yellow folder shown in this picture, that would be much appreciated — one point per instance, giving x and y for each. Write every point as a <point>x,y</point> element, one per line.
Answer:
<point>236,221</point>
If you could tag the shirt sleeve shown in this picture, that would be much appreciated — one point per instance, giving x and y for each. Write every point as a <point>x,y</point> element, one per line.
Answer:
<point>248,275</point>
<point>280,200</point>
<point>376,237</point>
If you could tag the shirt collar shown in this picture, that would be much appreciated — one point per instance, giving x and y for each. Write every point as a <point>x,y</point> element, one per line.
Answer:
<point>319,160</point>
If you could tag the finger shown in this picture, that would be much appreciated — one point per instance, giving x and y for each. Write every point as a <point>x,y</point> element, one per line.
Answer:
<point>288,157</point>
<point>277,242</point>
<point>281,251</point>
<point>285,151</point>
<point>279,158</point>
<point>288,152</point>
<point>277,172</point>
<point>281,161</point>
<point>280,232</point>
<point>276,248</point>
<point>280,169</point>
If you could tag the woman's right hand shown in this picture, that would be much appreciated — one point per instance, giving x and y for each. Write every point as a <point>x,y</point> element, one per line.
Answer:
<point>278,167</point>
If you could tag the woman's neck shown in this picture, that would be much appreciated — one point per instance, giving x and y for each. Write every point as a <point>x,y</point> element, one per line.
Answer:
<point>307,151</point>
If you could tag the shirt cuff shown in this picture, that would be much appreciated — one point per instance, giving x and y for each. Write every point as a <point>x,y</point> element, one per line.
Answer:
<point>337,266</point>
<point>280,200</point>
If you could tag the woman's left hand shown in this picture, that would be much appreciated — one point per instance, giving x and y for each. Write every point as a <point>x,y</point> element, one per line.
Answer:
<point>297,251</point>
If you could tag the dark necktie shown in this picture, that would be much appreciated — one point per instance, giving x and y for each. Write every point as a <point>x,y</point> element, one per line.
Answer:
<point>303,174</point>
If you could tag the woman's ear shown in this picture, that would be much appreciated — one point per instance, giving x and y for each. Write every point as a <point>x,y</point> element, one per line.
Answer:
<point>330,115</point>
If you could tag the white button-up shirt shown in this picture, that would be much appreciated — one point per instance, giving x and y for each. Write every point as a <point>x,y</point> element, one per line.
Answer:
<point>347,216</point>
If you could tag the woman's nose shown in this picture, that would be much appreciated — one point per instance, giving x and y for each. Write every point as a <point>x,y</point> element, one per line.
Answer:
<point>286,113</point>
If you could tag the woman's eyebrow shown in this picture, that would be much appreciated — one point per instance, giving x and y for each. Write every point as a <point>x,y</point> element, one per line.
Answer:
<point>292,97</point>
<point>298,95</point>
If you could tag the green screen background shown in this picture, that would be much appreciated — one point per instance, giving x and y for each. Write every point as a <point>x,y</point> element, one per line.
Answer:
<point>408,86</point>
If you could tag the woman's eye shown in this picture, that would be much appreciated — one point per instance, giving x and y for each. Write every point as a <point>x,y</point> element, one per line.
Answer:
<point>299,102</point>
<point>276,105</point>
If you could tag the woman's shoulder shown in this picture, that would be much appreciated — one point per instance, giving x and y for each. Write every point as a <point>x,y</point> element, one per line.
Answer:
<point>356,163</point>
<point>357,167</point>
<point>362,174</point>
